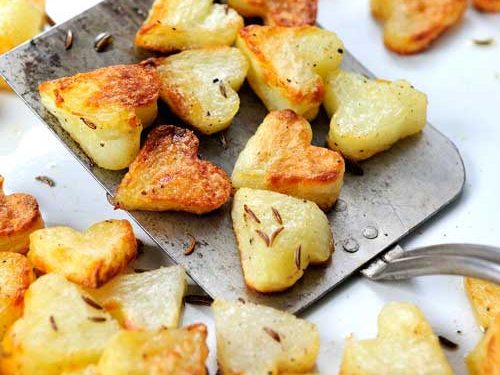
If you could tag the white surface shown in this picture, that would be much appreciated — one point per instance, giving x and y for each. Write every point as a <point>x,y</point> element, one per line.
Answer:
<point>463,84</point>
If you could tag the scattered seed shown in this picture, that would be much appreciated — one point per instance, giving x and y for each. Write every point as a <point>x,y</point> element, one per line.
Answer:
<point>447,344</point>
<point>192,245</point>
<point>298,256</point>
<point>215,80</point>
<point>222,89</point>
<point>483,42</point>
<point>251,214</point>
<point>223,140</point>
<point>97,319</point>
<point>53,323</point>
<point>277,216</point>
<point>49,20</point>
<point>198,299</point>
<point>275,234</point>
<point>241,300</point>
<point>91,303</point>
<point>46,180</point>
<point>90,124</point>
<point>68,41</point>
<point>264,236</point>
<point>271,332</point>
<point>102,41</point>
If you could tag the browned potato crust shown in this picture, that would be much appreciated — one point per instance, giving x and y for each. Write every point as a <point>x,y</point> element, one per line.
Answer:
<point>485,358</point>
<point>487,5</point>
<point>484,297</point>
<point>16,275</point>
<point>279,12</point>
<point>410,26</point>
<point>168,176</point>
<point>19,217</point>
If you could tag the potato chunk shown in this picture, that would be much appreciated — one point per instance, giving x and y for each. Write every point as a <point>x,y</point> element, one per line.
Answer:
<point>259,340</point>
<point>487,5</point>
<point>200,86</point>
<point>280,157</point>
<point>89,258</point>
<point>485,358</point>
<point>484,297</point>
<point>162,352</point>
<point>369,116</point>
<point>19,217</point>
<point>184,24</point>
<point>279,12</point>
<point>16,275</point>
<point>168,176</point>
<point>288,65</point>
<point>410,26</point>
<point>278,236</point>
<point>58,332</point>
<point>147,300</point>
<point>105,110</point>
<point>405,345</point>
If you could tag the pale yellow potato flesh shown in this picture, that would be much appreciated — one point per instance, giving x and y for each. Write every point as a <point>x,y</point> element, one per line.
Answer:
<point>369,116</point>
<point>485,358</point>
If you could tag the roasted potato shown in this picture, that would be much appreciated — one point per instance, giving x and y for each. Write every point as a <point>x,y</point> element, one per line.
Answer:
<point>280,157</point>
<point>410,26</point>
<point>485,358</point>
<point>161,352</point>
<point>288,65</point>
<point>405,345</point>
<point>19,217</point>
<point>200,86</point>
<point>16,275</point>
<point>147,300</point>
<point>255,340</point>
<point>487,5</point>
<point>369,116</point>
<point>184,24</point>
<point>484,297</point>
<point>105,110</point>
<point>167,175</point>
<point>278,236</point>
<point>279,12</point>
<point>89,370</point>
<point>61,330</point>
<point>89,258</point>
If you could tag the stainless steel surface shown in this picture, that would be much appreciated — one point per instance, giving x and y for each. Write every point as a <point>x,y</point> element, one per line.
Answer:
<point>399,190</point>
<point>447,259</point>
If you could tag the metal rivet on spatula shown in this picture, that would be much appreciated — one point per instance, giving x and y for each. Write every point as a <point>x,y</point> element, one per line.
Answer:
<point>350,245</point>
<point>370,232</point>
<point>102,41</point>
<point>340,206</point>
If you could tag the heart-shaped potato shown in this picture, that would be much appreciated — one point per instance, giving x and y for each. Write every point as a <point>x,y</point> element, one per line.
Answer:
<point>174,25</point>
<point>278,236</point>
<point>280,157</point>
<point>105,110</point>
<point>485,358</point>
<point>484,297</point>
<point>279,12</point>
<point>487,5</point>
<point>89,258</point>
<point>253,339</point>
<point>200,85</point>
<point>61,330</point>
<point>369,116</point>
<point>410,26</point>
<point>288,65</point>
<point>168,176</point>
<point>16,275</point>
<point>19,217</point>
<point>405,342</point>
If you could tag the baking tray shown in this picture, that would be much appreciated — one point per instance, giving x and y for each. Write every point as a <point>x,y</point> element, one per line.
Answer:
<point>400,188</point>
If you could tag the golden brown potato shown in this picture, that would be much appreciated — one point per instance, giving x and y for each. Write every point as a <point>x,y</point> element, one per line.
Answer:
<point>89,370</point>
<point>105,110</point>
<point>405,343</point>
<point>259,340</point>
<point>184,24</point>
<point>485,358</point>
<point>484,297</point>
<point>410,26</point>
<point>16,275</point>
<point>89,258</point>
<point>278,236</point>
<point>280,157</point>
<point>487,5</point>
<point>200,86</point>
<point>19,217</point>
<point>162,352</point>
<point>61,330</point>
<point>279,12</point>
<point>369,116</point>
<point>288,65</point>
<point>167,175</point>
<point>147,300</point>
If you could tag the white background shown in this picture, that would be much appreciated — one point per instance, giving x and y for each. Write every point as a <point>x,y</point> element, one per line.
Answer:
<point>462,81</point>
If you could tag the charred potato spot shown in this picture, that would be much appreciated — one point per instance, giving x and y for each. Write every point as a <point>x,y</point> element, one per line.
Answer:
<point>288,65</point>
<point>485,358</point>
<point>184,24</point>
<point>278,237</point>
<point>168,176</point>
<point>484,297</point>
<point>280,157</point>
<point>90,258</point>
<point>410,26</point>
<point>253,339</point>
